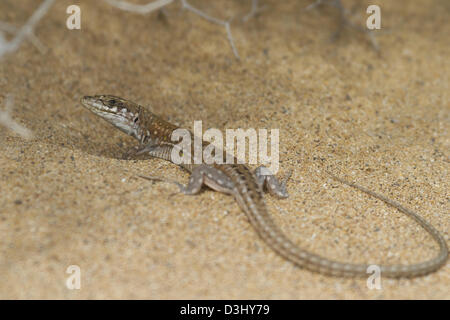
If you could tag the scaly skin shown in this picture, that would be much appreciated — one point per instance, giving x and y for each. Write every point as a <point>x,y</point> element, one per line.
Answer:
<point>154,136</point>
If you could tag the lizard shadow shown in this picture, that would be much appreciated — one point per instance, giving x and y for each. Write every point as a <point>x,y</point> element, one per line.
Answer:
<point>101,140</point>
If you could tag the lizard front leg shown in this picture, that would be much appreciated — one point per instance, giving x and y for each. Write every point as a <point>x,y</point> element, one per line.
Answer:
<point>267,180</point>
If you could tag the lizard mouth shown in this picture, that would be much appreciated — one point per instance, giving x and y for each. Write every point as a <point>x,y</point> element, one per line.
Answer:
<point>120,118</point>
<point>94,104</point>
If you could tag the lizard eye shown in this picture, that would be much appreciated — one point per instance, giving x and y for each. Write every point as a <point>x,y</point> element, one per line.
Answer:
<point>136,119</point>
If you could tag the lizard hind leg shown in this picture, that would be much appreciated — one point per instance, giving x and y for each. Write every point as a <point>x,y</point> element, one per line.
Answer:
<point>196,181</point>
<point>201,175</point>
<point>266,179</point>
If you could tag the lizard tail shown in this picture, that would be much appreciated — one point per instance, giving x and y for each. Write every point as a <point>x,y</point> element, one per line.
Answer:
<point>255,208</point>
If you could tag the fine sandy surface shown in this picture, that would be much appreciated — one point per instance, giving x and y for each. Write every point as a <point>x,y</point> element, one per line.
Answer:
<point>379,119</point>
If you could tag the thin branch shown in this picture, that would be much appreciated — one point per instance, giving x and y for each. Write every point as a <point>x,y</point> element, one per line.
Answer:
<point>226,24</point>
<point>253,11</point>
<point>136,8</point>
<point>187,6</point>
<point>158,4</point>
<point>7,121</point>
<point>6,27</point>
<point>333,3</point>
<point>26,29</point>
<point>230,39</point>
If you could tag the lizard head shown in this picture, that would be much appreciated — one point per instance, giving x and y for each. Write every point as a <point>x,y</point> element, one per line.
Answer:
<point>121,113</point>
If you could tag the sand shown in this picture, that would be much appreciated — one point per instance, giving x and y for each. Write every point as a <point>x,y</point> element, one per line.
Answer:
<point>379,119</point>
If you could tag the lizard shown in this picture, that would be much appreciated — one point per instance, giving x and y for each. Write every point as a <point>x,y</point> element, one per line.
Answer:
<point>155,139</point>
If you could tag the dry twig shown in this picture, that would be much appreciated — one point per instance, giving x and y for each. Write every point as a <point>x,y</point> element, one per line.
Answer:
<point>7,121</point>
